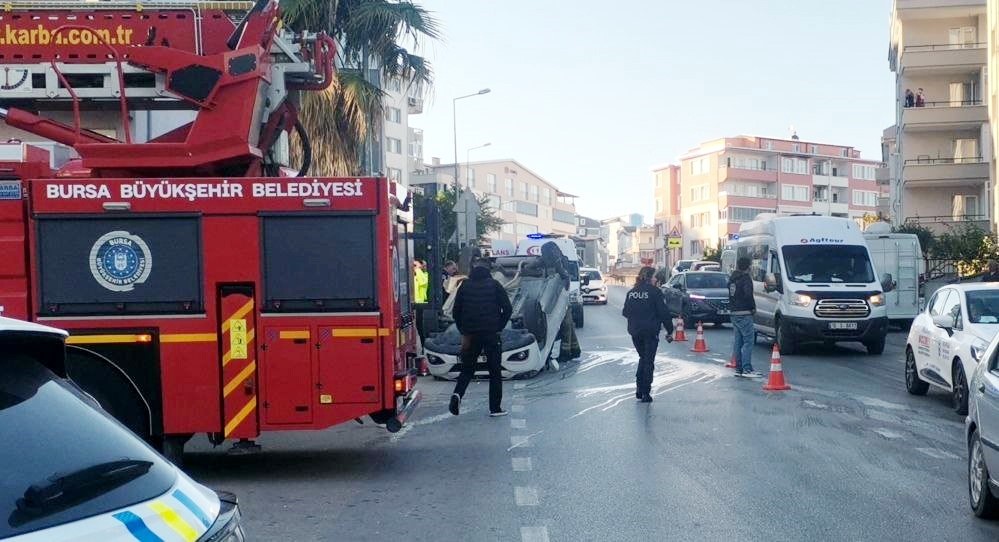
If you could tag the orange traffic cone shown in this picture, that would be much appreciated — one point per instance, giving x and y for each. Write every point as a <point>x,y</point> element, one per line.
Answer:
<point>776,381</point>
<point>424,366</point>
<point>679,336</point>
<point>699,345</point>
<point>731,363</point>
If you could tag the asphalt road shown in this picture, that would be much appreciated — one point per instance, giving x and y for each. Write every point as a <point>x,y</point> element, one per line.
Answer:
<point>847,454</point>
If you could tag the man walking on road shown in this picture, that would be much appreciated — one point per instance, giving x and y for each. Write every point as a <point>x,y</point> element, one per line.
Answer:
<point>645,309</point>
<point>481,310</point>
<point>743,307</point>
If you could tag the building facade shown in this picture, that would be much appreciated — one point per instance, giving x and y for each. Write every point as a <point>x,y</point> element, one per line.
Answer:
<point>667,217</point>
<point>400,142</point>
<point>523,199</point>
<point>941,170</point>
<point>728,181</point>
<point>590,244</point>
<point>618,232</point>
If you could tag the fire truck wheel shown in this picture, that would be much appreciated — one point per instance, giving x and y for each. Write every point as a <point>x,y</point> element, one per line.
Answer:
<point>535,321</point>
<point>382,416</point>
<point>172,448</point>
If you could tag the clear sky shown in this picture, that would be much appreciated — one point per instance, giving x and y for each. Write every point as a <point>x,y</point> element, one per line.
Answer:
<point>592,95</point>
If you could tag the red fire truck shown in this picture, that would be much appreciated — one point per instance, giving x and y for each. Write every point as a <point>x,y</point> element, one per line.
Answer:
<point>204,291</point>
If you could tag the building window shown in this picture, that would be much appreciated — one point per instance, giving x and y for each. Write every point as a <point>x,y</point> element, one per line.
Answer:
<point>768,144</point>
<point>582,222</point>
<point>494,202</point>
<point>700,166</point>
<point>534,193</point>
<point>845,153</point>
<point>965,207</point>
<point>659,205</point>
<point>697,247</point>
<point>700,220</point>
<point>393,145</point>
<point>526,229</point>
<point>523,191</point>
<point>565,217</point>
<point>509,187</point>
<point>866,173</point>
<point>749,190</point>
<point>526,208</point>
<point>794,165</point>
<point>415,149</point>
<point>742,162</point>
<point>393,114</point>
<point>394,174</point>
<point>508,228</point>
<point>699,193</point>
<point>491,182</point>
<point>745,214</point>
<point>546,196</point>
<point>814,149</point>
<point>796,147</point>
<point>865,198</point>
<point>791,192</point>
<point>470,175</point>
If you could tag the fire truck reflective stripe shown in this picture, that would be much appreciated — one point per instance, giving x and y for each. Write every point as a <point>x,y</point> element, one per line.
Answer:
<point>240,416</point>
<point>358,332</point>
<point>137,527</point>
<point>102,339</point>
<point>189,338</point>
<point>174,521</point>
<point>238,315</point>
<point>292,335</point>
<point>227,357</point>
<point>235,382</point>
<point>183,499</point>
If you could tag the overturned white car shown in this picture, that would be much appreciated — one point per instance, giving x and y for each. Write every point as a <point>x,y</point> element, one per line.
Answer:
<point>538,289</point>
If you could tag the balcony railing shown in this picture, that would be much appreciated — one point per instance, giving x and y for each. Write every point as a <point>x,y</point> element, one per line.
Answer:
<point>935,161</point>
<point>944,47</point>
<point>948,103</point>
<point>949,221</point>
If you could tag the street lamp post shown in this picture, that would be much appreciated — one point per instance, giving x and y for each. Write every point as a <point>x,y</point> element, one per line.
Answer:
<point>454,118</point>
<point>468,161</point>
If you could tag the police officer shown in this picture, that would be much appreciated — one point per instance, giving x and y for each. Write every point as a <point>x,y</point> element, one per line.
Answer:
<point>645,309</point>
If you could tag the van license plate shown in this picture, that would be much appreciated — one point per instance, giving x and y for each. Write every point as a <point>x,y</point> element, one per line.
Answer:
<point>843,325</point>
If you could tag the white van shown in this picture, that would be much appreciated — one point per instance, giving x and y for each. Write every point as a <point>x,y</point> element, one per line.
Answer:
<point>531,246</point>
<point>900,255</point>
<point>814,280</point>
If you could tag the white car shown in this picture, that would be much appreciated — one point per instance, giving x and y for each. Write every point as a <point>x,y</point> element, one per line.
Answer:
<point>594,288</point>
<point>948,338</point>
<point>71,472</point>
<point>982,432</point>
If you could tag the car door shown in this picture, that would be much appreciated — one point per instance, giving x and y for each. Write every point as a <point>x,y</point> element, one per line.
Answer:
<point>985,391</point>
<point>766,302</point>
<point>949,342</point>
<point>926,349</point>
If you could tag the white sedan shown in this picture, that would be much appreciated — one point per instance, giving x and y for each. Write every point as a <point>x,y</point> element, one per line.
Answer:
<point>948,338</point>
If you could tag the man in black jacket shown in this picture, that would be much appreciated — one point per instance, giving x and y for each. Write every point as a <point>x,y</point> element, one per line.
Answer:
<point>481,310</point>
<point>743,306</point>
<point>645,309</point>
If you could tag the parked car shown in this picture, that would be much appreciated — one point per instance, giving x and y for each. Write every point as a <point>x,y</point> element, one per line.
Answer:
<point>681,266</point>
<point>982,432</point>
<point>948,339</point>
<point>705,296</point>
<point>72,472</point>
<point>594,288</point>
<point>703,265</point>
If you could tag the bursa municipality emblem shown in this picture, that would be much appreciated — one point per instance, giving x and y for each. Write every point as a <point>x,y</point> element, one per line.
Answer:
<point>119,260</point>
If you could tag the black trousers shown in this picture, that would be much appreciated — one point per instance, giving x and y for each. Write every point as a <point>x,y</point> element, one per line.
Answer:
<point>646,344</point>
<point>471,347</point>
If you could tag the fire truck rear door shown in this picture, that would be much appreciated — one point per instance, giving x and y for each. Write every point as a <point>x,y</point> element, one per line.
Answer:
<point>239,361</point>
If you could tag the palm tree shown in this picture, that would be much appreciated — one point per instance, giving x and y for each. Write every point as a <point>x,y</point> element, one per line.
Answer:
<point>340,119</point>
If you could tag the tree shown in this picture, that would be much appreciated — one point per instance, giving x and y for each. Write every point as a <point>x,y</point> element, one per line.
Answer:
<point>926,239</point>
<point>712,255</point>
<point>340,119</point>
<point>487,222</point>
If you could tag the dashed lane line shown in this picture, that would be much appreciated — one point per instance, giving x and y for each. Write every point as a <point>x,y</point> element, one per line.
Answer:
<point>526,496</point>
<point>518,423</point>
<point>534,534</point>
<point>521,464</point>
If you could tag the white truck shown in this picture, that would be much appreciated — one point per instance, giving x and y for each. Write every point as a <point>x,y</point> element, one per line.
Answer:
<point>901,255</point>
<point>814,280</point>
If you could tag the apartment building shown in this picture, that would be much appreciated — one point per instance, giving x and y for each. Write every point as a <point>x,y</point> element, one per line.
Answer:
<point>526,201</point>
<point>590,245</point>
<point>940,170</point>
<point>400,142</point>
<point>992,88</point>
<point>728,181</point>
<point>618,231</point>
<point>667,217</point>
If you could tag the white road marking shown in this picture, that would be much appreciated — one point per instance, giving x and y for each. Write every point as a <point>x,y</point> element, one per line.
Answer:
<point>813,404</point>
<point>937,453</point>
<point>521,464</point>
<point>424,421</point>
<point>517,409</point>
<point>516,423</point>
<point>534,534</point>
<point>519,386</point>
<point>889,434</point>
<point>521,441</point>
<point>526,496</point>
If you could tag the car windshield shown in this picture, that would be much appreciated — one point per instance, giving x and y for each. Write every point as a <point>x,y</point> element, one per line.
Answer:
<point>684,265</point>
<point>828,263</point>
<point>983,307</point>
<point>706,280</point>
<point>71,461</point>
<point>592,275</point>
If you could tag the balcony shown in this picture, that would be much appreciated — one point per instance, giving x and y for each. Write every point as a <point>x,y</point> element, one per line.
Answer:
<point>831,180</point>
<point>957,58</point>
<point>415,105</point>
<point>883,175</point>
<point>945,224</point>
<point>950,115</point>
<point>729,173</point>
<point>971,171</point>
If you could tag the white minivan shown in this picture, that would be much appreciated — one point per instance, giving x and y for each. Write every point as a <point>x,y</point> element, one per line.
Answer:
<point>814,281</point>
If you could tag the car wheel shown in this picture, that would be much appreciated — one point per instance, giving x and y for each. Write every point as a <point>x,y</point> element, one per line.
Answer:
<point>913,384</point>
<point>983,502</point>
<point>876,347</point>
<point>960,394</point>
<point>785,338</point>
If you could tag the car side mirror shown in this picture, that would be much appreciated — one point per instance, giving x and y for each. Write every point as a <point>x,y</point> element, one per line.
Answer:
<point>944,322</point>
<point>888,283</point>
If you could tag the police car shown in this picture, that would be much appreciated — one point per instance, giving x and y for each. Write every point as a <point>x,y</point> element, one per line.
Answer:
<point>948,338</point>
<point>71,472</point>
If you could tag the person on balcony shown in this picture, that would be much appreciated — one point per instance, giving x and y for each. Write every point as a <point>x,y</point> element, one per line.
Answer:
<point>910,98</point>
<point>920,99</point>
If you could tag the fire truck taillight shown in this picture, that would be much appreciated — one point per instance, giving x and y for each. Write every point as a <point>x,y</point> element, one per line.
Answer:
<point>400,385</point>
<point>144,338</point>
